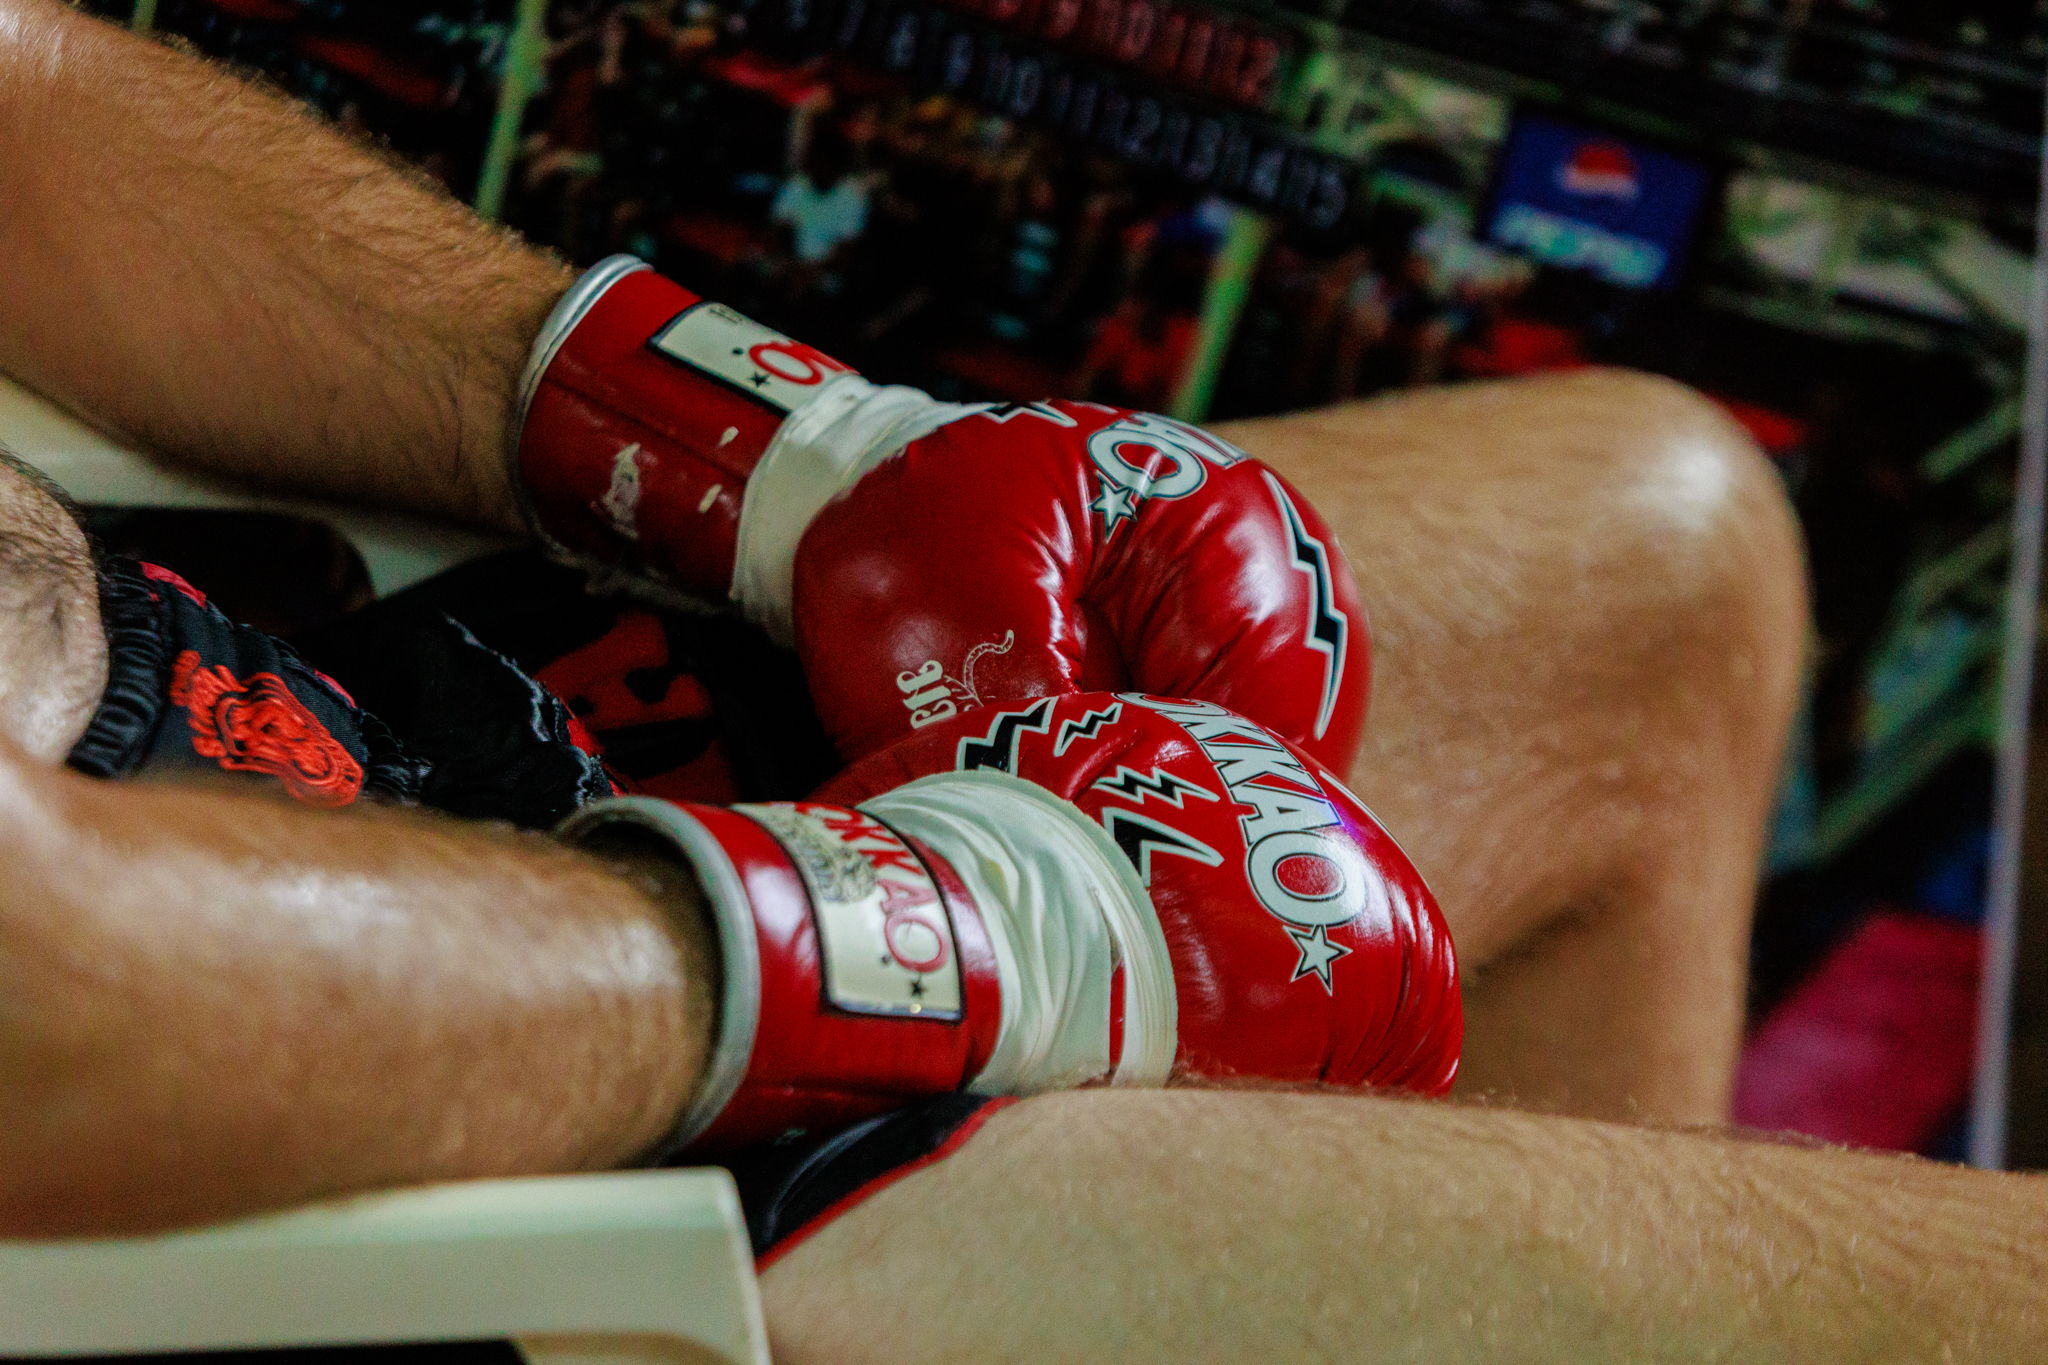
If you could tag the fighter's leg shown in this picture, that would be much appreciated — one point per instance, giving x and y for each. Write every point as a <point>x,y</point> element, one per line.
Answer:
<point>1189,1226</point>
<point>53,653</point>
<point>1587,600</point>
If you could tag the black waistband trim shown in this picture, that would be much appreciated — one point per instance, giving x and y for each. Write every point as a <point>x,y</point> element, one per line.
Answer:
<point>118,737</point>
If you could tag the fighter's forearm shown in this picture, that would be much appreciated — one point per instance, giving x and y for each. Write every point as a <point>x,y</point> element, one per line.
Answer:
<point>212,1004</point>
<point>1183,1226</point>
<point>205,268</point>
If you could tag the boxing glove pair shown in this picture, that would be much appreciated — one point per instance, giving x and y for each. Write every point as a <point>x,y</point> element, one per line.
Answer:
<point>1072,890</point>
<point>926,558</point>
<point>1038,874</point>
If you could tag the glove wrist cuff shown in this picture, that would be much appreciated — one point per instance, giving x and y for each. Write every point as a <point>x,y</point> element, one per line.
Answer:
<point>562,321</point>
<point>701,856</point>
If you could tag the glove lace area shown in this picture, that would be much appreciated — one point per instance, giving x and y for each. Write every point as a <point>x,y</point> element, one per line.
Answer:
<point>1063,909</point>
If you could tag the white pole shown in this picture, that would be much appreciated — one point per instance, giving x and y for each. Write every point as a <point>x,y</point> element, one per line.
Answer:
<point>2002,913</point>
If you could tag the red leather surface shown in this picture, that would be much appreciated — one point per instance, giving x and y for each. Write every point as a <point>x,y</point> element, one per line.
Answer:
<point>1305,945</point>
<point>608,390</point>
<point>1026,550</point>
<point>1070,547</point>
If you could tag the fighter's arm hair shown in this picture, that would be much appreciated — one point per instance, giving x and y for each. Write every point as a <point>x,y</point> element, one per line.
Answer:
<point>201,266</point>
<point>212,1004</point>
<point>1184,1225</point>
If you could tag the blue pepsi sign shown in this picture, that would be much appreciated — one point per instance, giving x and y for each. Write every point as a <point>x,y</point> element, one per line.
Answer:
<point>1584,200</point>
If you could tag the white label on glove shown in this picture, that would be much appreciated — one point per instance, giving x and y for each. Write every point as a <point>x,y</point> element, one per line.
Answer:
<point>732,347</point>
<point>883,933</point>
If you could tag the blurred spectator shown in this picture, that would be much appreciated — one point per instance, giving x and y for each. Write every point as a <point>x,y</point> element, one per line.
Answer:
<point>565,158</point>
<point>820,212</point>
<point>1140,351</point>
<point>1529,327</point>
<point>1348,320</point>
<point>1025,274</point>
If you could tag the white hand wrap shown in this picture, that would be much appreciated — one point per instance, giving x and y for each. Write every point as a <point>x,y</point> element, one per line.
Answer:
<point>1063,908</point>
<point>818,453</point>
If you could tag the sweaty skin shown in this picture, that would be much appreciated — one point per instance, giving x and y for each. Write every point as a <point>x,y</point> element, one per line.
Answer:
<point>53,654</point>
<point>1588,606</point>
<point>211,1003</point>
<point>215,274</point>
<point>215,1003</point>
<point>1586,593</point>
<point>1183,1226</point>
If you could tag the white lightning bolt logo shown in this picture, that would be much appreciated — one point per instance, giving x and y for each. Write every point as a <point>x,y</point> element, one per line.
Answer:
<point>1162,784</point>
<point>1328,631</point>
<point>1087,727</point>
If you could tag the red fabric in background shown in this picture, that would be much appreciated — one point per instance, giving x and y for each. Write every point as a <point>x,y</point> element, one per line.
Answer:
<point>1777,433</point>
<point>1515,346</point>
<point>1877,1047</point>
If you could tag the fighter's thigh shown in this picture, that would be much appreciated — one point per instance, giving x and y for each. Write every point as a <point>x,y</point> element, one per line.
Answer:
<point>53,656</point>
<point>1587,604</point>
<point>1127,1225</point>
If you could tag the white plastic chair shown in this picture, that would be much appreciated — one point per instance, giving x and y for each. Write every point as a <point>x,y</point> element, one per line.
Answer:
<point>622,1269</point>
<point>638,1268</point>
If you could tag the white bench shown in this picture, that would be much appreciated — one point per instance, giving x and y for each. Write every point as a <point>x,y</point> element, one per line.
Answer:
<point>638,1268</point>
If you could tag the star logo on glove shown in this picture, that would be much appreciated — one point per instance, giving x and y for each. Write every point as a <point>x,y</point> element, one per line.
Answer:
<point>1116,503</point>
<point>1317,953</point>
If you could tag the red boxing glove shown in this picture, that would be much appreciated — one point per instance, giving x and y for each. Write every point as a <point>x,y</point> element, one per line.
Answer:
<point>1301,944</point>
<point>927,558</point>
<point>1023,551</point>
<point>671,436</point>
<point>1086,888</point>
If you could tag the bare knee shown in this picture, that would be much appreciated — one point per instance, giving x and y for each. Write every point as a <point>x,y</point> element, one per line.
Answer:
<point>1587,597</point>
<point>1664,592</point>
<point>1693,565</point>
<point>1679,567</point>
<point>1603,534</point>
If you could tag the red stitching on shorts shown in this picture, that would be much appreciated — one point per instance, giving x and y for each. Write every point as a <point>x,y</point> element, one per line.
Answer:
<point>157,573</point>
<point>258,726</point>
